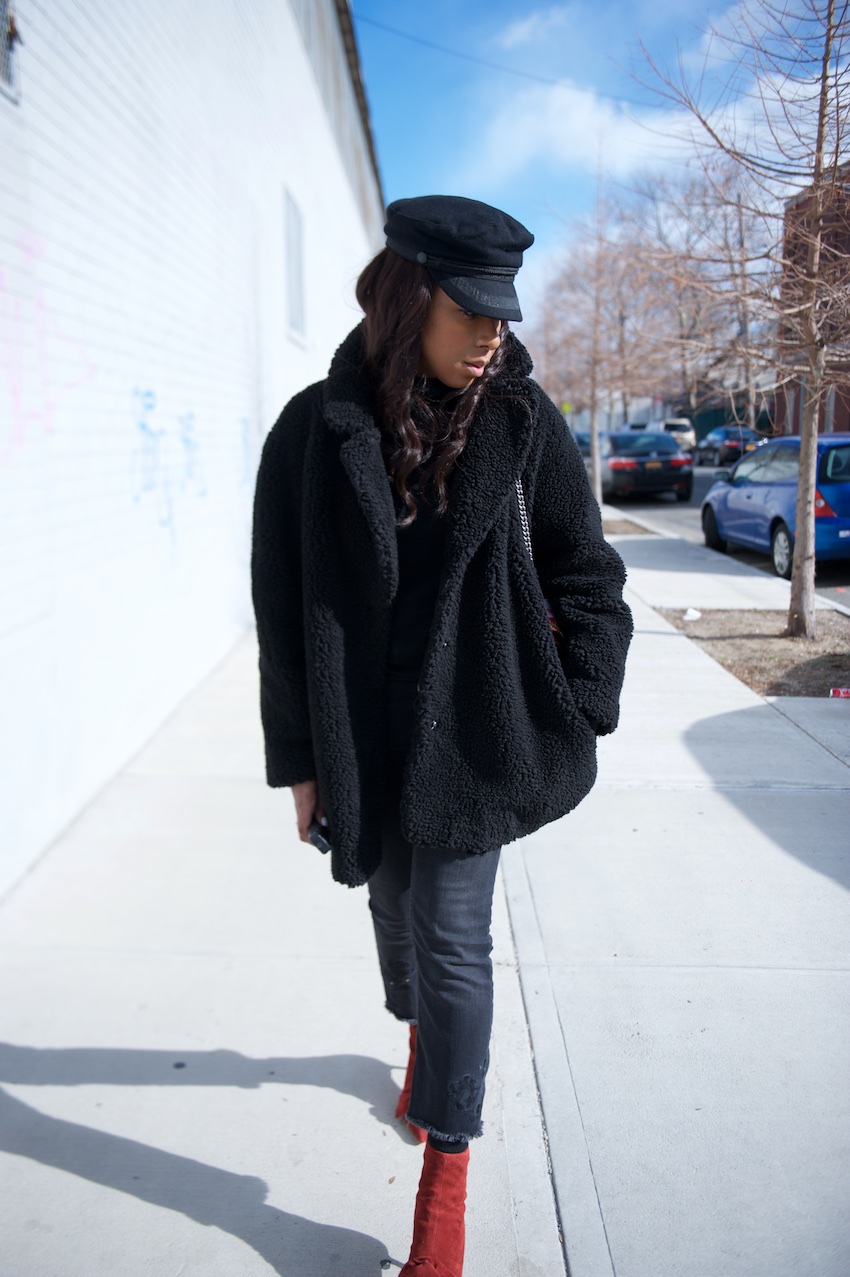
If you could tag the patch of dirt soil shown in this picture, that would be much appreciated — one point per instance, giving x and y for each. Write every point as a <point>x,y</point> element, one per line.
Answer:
<point>624,528</point>
<point>750,645</point>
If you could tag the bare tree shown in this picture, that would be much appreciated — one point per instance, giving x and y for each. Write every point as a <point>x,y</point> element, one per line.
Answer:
<point>710,252</point>
<point>597,339</point>
<point>774,101</point>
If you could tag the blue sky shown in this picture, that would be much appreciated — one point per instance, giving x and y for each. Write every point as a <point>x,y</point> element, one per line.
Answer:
<point>448,125</point>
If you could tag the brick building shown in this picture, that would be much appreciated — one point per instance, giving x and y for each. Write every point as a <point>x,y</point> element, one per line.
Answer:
<point>834,305</point>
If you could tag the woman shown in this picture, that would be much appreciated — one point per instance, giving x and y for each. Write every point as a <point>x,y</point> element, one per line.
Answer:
<point>413,693</point>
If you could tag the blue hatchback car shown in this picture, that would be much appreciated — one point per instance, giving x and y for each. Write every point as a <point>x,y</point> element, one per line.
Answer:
<point>754,503</point>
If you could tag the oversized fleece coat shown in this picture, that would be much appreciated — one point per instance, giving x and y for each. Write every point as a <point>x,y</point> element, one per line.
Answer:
<point>506,724</point>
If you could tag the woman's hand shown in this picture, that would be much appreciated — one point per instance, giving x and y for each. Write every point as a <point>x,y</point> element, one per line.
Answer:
<point>308,806</point>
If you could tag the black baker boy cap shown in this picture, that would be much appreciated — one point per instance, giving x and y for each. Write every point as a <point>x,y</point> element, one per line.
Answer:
<point>472,250</point>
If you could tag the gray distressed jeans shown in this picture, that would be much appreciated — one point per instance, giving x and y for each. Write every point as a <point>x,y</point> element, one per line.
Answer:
<point>431,909</point>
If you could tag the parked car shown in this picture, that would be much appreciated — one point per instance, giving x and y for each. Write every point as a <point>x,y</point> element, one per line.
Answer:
<point>681,428</point>
<point>582,438</point>
<point>726,444</point>
<point>755,503</point>
<point>644,462</point>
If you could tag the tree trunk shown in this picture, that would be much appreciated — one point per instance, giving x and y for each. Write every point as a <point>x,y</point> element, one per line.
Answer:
<point>801,610</point>
<point>595,460</point>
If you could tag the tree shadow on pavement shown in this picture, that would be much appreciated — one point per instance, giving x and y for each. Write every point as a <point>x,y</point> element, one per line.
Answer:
<point>793,789</point>
<point>213,1197</point>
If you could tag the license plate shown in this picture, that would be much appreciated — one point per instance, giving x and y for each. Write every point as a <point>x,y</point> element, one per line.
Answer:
<point>653,465</point>
<point>750,447</point>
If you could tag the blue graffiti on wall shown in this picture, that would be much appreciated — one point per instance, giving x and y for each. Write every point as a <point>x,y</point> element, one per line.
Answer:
<point>166,463</point>
<point>192,475</point>
<point>149,478</point>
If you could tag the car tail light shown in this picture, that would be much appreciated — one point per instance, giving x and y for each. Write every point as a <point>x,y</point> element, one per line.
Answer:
<point>823,510</point>
<point>623,463</point>
<point>679,461</point>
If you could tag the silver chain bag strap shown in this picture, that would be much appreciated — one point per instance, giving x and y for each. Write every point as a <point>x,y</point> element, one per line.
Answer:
<point>526,536</point>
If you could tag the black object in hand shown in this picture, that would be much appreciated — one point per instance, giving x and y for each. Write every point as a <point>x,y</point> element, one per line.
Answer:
<point>319,836</point>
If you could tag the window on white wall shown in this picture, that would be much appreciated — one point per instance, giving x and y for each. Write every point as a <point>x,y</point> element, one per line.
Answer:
<point>294,266</point>
<point>7,46</point>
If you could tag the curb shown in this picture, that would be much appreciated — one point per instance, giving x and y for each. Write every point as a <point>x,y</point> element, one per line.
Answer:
<point>611,512</point>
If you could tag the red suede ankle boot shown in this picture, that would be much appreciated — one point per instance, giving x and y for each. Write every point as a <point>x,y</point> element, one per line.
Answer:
<point>404,1099</point>
<point>438,1227</point>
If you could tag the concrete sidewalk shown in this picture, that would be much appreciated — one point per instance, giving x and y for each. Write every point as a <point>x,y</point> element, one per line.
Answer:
<point>683,945</point>
<point>198,1076</point>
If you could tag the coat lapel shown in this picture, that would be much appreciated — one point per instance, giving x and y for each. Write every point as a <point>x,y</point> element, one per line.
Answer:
<point>362,461</point>
<point>349,411</point>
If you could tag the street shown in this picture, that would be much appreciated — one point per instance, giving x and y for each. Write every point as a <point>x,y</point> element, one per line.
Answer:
<point>682,519</point>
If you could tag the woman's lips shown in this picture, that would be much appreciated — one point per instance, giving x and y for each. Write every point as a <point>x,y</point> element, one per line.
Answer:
<point>476,369</point>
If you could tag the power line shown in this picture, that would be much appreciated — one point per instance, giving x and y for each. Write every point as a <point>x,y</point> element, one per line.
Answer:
<point>453,53</point>
<point>482,62</point>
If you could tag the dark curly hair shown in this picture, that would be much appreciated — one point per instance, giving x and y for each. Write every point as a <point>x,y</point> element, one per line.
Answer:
<point>395,295</point>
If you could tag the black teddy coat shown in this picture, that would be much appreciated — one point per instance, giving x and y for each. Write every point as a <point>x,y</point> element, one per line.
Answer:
<point>505,734</point>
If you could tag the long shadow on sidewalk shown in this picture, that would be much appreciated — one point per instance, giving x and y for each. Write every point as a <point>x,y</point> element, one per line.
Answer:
<point>361,1076</point>
<point>217,1198</point>
<point>206,1194</point>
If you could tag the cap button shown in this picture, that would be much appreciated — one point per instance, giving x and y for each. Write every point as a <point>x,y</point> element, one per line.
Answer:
<point>422,258</point>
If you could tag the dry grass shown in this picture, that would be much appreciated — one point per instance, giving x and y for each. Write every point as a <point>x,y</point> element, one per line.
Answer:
<point>750,645</point>
<point>624,528</point>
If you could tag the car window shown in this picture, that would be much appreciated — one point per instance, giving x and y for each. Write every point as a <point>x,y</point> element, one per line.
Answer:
<point>835,466</point>
<point>643,444</point>
<point>783,464</point>
<point>751,466</point>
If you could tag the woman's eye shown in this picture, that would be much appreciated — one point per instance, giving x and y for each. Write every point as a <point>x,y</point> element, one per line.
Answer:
<point>470,314</point>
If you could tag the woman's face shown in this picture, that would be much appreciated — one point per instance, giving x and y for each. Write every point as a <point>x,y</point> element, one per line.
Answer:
<point>456,345</point>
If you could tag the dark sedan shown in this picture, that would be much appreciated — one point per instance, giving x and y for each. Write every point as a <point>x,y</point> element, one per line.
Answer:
<point>726,444</point>
<point>644,462</point>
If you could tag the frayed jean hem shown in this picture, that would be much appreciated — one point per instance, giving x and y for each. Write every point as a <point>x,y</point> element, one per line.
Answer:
<point>455,1138</point>
<point>402,1019</point>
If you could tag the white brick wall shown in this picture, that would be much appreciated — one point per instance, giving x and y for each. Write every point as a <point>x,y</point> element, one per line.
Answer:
<point>144,353</point>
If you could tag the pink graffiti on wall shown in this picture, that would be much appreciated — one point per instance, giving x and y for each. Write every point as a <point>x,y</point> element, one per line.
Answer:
<point>39,326</point>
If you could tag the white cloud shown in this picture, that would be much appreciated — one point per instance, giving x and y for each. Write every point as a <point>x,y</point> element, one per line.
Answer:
<point>538,25</point>
<point>569,128</point>
<point>565,126</point>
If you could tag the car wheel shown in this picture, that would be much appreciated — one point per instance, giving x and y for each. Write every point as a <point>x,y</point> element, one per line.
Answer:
<point>710,531</point>
<point>687,494</point>
<point>718,457</point>
<point>782,551</point>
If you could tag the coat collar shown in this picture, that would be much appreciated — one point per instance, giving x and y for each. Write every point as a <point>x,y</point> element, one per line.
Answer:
<point>486,472</point>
